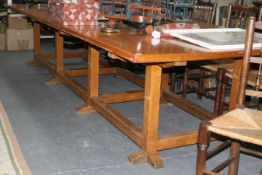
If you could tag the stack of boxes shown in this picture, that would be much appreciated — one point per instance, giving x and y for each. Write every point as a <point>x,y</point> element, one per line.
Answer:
<point>18,35</point>
<point>74,12</point>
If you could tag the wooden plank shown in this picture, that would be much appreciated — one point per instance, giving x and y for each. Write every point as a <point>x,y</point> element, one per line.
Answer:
<point>177,140</point>
<point>117,119</point>
<point>131,77</point>
<point>173,64</point>
<point>188,106</point>
<point>67,55</point>
<point>127,43</point>
<point>115,57</point>
<point>122,97</point>
<point>74,55</point>
<point>46,64</point>
<point>84,71</point>
<point>76,87</point>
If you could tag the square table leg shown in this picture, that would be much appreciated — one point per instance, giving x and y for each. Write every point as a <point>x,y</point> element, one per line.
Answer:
<point>150,120</point>
<point>59,58</point>
<point>37,45</point>
<point>93,79</point>
<point>235,84</point>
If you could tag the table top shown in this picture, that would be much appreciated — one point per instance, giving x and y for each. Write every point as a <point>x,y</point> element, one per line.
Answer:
<point>131,44</point>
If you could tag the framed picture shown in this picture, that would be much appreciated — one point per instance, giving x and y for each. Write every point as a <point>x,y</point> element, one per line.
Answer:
<point>216,39</point>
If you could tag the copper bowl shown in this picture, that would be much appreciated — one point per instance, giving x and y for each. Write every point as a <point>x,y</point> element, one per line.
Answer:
<point>110,30</point>
<point>140,19</point>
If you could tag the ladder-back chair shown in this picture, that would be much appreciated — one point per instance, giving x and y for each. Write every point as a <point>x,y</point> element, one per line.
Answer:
<point>204,12</point>
<point>237,17</point>
<point>241,124</point>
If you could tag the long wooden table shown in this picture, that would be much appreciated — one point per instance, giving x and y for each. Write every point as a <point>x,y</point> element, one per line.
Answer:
<point>136,47</point>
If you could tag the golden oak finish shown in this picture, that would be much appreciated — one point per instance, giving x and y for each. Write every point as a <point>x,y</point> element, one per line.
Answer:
<point>130,44</point>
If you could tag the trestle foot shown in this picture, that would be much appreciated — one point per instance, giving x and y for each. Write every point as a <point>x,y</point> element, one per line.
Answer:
<point>54,81</point>
<point>85,109</point>
<point>32,63</point>
<point>137,157</point>
<point>141,157</point>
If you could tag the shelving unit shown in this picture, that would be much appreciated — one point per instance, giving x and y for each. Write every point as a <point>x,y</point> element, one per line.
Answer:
<point>118,9</point>
<point>132,11</point>
<point>178,10</point>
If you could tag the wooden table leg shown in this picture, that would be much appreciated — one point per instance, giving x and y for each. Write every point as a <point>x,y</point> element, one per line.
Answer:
<point>93,80</point>
<point>235,84</point>
<point>150,122</point>
<point>59,57</point>
<point>37,45</point>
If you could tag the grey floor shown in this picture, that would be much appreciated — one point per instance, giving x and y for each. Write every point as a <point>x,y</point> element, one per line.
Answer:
<point>55,141</point>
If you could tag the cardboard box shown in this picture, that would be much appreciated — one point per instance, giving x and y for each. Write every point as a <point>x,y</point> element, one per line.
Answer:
<point>2,41</point>
<point>17,21</point>
<point>22,39</point>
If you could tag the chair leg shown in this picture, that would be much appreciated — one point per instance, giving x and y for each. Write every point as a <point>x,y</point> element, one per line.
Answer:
<point>220,91</point>
<point>185,83</point>
<point>201,85</point>
<point>172,81</point>
<point>203,140</point>
<point>234,152</point>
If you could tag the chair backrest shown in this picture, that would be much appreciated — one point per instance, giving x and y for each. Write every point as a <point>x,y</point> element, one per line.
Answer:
<point>244,89</point>
<point>237,16</point>
<point>204,12</point>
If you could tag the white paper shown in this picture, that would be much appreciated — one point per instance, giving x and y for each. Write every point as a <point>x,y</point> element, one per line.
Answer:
<point>216,39</point>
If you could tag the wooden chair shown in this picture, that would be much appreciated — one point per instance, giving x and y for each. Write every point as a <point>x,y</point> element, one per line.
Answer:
<point>241,124</point>
<point>237,17</point>
<point>204,12</point>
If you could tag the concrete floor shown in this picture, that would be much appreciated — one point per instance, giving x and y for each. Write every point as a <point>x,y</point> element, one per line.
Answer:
<point>55,141</point>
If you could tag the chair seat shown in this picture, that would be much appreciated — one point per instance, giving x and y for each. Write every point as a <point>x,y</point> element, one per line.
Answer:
<point>241,124</point>
<point>228,66</point>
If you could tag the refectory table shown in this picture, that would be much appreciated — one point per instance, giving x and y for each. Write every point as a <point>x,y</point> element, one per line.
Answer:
<point>137,47</point>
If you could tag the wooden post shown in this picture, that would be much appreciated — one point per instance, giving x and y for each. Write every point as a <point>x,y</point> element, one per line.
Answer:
<point>150,120</point>
<point>220,91</point>
<point>59,52</point>
<point>59,58</point>
<point>151,114</point>
<point>37,42</point>
<point>234,152</point>
<point>203,140</point>
<point>93,72</point>
<point>235,84</point>
<point>92,81</point>
<point>37,45</point>
<point>246,60</point>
